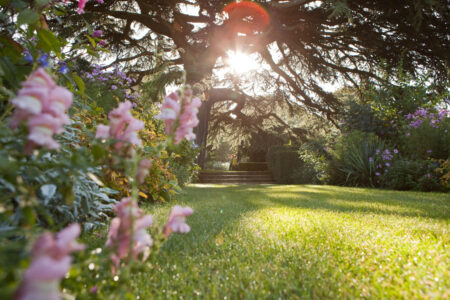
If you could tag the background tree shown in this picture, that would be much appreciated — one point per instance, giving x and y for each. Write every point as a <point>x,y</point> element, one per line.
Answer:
<point>307,43</point>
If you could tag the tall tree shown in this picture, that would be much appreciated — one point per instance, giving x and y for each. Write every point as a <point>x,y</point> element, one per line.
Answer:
<point>306,43</point>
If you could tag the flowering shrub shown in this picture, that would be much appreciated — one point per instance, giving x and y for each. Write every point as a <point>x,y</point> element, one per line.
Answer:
<point>50,263</point>
<point>426,134</point>
<point>57,161</point>
<point>43,105</point>
<point>180,115</point>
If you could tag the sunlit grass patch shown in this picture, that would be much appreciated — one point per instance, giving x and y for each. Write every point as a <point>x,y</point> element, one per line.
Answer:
<point>305,242</point>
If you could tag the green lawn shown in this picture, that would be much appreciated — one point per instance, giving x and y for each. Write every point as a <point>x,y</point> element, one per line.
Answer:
<point>276,241</point>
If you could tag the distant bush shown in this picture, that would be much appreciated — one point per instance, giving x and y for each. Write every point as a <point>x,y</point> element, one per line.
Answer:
<point>315,155</point>
<point>412,175</point>
<point>355,158</point>
<point>284,162</point>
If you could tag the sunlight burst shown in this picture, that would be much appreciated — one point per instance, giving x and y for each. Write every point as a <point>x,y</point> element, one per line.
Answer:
<point>240,62</point>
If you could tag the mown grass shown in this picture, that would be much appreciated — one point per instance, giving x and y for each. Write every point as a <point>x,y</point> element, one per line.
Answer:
<point>305,242</point>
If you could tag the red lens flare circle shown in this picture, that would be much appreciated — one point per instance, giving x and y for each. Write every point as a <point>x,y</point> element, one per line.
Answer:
<point>247,17</point>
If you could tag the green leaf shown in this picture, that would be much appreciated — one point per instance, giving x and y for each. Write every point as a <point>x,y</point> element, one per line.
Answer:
<point>4,3</point>
<point>92,41</point>
<point>85,205</point>
<point>49,42</point>
<point>48,191</point>
<point>98,152</point>
<point>27,16</point>
<point>18,4</point>
<point>79,82</point>
<point>29,215</point>
<point>41,3</point>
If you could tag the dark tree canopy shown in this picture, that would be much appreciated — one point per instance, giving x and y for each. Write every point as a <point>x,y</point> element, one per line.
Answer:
<point>306,43</point>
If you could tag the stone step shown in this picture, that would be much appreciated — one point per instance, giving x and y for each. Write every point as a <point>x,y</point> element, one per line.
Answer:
<point>236,176</point>
<point>247,177</point>
<point>236,173</point>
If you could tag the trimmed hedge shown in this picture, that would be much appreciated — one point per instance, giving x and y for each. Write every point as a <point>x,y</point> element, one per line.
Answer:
<point>285,163</point>
<point>252,166</point>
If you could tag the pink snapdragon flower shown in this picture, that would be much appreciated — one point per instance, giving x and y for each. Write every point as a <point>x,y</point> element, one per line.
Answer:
<point>143,170</point>
<point>177,220</point>
<point>43,105</point>
<point>50,261</point>
<point>39,78</point>
<point>180,118</point>
<point>170,111</point>
<point>188,120</point>
<point>120,236</point>
<point>41,129</point>
<point>122,126</point>
<point>81,5</point>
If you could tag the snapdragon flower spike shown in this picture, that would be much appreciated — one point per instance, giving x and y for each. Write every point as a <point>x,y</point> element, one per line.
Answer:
<point>177,220</point>
<point>143,170</point>
<point>188,120</point>
<point>43,105</point>
<point>81,5</point>
<point>50,261</point>
<point>180,118</point>
<point>170,111</point>
<point>122,126</point>
<point>41,128</point>
<point>120,236</point>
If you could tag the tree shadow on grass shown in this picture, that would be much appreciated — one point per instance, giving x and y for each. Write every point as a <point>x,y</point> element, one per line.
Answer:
<point>219,206</point>
<point>220,209</point>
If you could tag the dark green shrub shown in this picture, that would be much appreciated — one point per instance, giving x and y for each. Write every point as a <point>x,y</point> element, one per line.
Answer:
<point>426,134</point>
<point>182,162</point>
<point>412,175</point>
<point>316,157</point>
<point>284,162</point>
<point>354,159</point>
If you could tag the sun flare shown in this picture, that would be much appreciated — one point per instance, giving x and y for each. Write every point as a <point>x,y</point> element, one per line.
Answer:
<point>240,62</point>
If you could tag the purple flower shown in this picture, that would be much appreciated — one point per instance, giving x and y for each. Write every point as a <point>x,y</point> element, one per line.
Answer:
<point>43,60</point>
<point>28,56</point>
<point>377,174</point>
<point>416,123</point>
<point>97,33</point>
<point>408,134</point>
<point>377,151</point>
<point>421,112</point>
<point>443,113</point>
<point>370,159</point>
<point>395,151</point>
<point>114,87</point>
<point>388,164</point>
<point>387,155</point>
<point>429,151</point>
<point>102,43</point>
<point>63,69</point>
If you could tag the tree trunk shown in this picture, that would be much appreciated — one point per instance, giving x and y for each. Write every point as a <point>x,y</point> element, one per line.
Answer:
<point>201,132</point>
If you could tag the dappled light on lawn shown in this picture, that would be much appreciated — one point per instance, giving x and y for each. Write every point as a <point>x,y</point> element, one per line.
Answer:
<point>294,241</point>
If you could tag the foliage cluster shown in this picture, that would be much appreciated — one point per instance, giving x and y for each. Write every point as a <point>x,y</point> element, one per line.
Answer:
<point>285,163</point>
<point>396,136</point>
<point>80,175</point>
